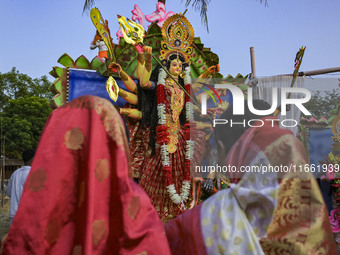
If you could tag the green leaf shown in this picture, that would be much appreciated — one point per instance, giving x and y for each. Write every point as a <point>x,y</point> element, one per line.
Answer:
<point>58,101</point>
<point>96,62</point>
<point>57,71</point>
<point>82,63</point>
<point>102,69</point>
<point>58,85</point>
<point>154,29</point>
<point>66,60</point>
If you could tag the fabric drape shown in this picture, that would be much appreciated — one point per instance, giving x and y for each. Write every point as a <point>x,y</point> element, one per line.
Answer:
<point>262,212</point>
<point>79,197</point>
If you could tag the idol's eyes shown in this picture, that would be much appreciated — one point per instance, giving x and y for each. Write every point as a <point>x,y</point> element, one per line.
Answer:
<point>174,64</point>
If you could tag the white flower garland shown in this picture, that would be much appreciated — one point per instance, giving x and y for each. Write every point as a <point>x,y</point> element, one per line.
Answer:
<point>177,199</point>
<point>161,114</point>
<point>173,194</point>
<point>185,190</point>
<point>165,155</point>
<point>189,111</point>
<point>187,78</point>
<point>189,149</point>
<point>161,76</point>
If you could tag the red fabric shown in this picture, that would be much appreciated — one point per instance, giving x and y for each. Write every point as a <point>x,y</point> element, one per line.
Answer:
<point>139,144</point>
<point>160,94</point>
<point>79,198</point>
<point>184,233</point>
<point>188,90</point>
<point>253,141</point>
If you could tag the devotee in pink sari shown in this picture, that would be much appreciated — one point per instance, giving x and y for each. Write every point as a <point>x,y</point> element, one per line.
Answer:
<point>79,197</point>
<point>261,213</point>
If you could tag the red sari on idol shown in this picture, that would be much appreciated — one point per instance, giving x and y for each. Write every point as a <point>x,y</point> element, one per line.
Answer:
<point>79,197</point>
<point>157,176</point>
<point>153,178</point>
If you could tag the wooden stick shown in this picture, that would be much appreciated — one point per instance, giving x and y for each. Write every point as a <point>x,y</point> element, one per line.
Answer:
<point>252,61</point>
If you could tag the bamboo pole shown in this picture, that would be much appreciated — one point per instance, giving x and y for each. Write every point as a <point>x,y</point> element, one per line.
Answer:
<point>315,72</point>
<point>252,79</point>
<point>252,61</point>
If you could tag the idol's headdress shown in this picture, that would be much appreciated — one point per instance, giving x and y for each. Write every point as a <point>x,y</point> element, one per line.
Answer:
<point>178,35</point>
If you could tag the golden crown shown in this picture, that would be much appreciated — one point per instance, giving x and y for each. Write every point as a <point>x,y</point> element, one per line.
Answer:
<point>178,35</point>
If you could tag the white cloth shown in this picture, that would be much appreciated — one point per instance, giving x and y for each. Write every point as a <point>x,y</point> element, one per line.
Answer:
<point>234,220</point>
<point>14,189</point>
<point>264,92</point>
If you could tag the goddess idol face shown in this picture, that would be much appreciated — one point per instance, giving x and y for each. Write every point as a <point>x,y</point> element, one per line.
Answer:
<point>175,67</point>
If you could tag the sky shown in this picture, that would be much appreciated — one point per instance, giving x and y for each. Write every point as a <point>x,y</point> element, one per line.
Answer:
<point>36,33</point>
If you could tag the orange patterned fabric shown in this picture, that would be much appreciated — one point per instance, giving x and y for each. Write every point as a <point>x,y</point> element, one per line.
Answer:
<point>79,198</point>
<point>300,220</point>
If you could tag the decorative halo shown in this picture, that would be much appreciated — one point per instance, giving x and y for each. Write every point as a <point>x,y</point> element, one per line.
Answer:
<point>178,35</point>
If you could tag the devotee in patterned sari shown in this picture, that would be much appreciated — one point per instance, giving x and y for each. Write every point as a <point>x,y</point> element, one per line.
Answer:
<point>80,197</point>
<point>262,212</point>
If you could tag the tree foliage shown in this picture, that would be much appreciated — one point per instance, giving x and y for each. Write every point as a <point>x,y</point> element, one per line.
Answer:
<point>14,85</point>
<point>322,104</point>
<point>202,7</point>
<point>24,104</point>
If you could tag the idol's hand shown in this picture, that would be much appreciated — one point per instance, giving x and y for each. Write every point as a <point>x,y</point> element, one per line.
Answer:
<point>147,49</point>
<point>144,69</point>
<point>211,70</point>
<point>115,67</point>
<point>214,69</point>
<point>208,185</point>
